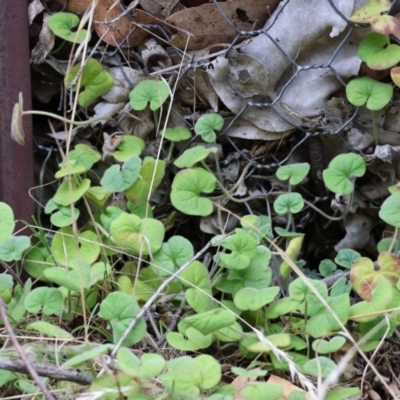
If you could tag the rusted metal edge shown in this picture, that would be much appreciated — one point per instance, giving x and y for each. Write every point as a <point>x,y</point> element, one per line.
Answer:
<point>16,161</point>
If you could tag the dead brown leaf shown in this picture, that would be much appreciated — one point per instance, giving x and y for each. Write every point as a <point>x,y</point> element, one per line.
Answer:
<point>34,9</point>
<point>209,27</point>
<point>287,386</point>
<point>108,10</point>
<point>45,43</point>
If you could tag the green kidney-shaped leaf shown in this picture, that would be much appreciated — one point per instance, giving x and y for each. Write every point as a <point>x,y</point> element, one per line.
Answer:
<point>187,186</point>
<point>130,146</point>
<point>211,321</point>
<point>193,340</point>
<point>328,346</point>
<point>210,371</point>
<point>95,80</point>
<point>136,235</point>
<point>340,169</point>
<point>253,299</point>
<point>61,216</point>
<point>390,210</point>
<point>116,179</point>
<point>79,160</point>
<point>323,322</point>
<point>294,172</point>
<point>242,246</point>
<point>206,126</point>
<point>76,278</point>
<point>154,92</point>
<point>150,176</point>
<point>13,248</point>
<point>375,49</point>
<point>149,366</point>
<point>375,94</point>
<point>65,247</point>
<point>289,202</point>
<point>320,367</point>
<point>49,299</point>
<point>71,190</point>
<point>172,255</point>
<point>7,223</point>
<point>193,156</point>
<point>63,23</point>
<point>118,309</point>
<point>177,134</point>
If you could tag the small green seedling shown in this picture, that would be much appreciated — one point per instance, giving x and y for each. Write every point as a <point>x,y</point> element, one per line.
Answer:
<point>117,179</point>
<point>63,23</point>
<point>390,210</point>
<point>341,169</point>
<point>94,80</point>
<point>177,134</point>
<point>154,92</point>
<point>377,52</point>
<point>118,309</point>
<point>206,126</point>
<point>187,186</point>
<point>194,155</point>
<point>376,95</point>
<point>294,172</point>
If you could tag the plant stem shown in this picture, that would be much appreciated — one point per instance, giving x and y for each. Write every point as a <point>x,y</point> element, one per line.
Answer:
<point>374,127</point>
<point>67,121</point>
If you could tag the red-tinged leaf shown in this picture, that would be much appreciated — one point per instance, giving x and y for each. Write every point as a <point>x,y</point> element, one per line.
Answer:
<point>395,75</point>
<point>385,24</point>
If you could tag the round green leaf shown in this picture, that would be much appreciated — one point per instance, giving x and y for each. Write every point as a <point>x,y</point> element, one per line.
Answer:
<point>294,172</point>
<point>13,248</point>
<point>366,90</point>
<point>328,346</point>
<point>64,217</point>
<point>193,156</point>
<point>7,223</point>
<point>320,367</point>
<point>116,179</point>
<point>130,146</point>
<point>206,126</point>
<point>340,169</point>
<point>154,92</point>
<point>63,23</point>
<point>390,210</point>
<point>94,79</point>
<point>289,202</point>
<point>177,134</point>
<point>118,309</point>
<point>66,248</point>
<point>149,366</point>
<point>210,371</point>
<point>150,176</point>
<point>172,255</point>
<point>375,49</point>
<point>253,299</point>
<point>137,236</point>
<point>193,340</point>
<point>347,257</point>
<point>50,299</point>
<point>186,189</point>
<point>71,190</point>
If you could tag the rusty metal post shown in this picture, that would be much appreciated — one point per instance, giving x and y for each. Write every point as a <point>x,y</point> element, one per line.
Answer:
<point>16,161</point>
